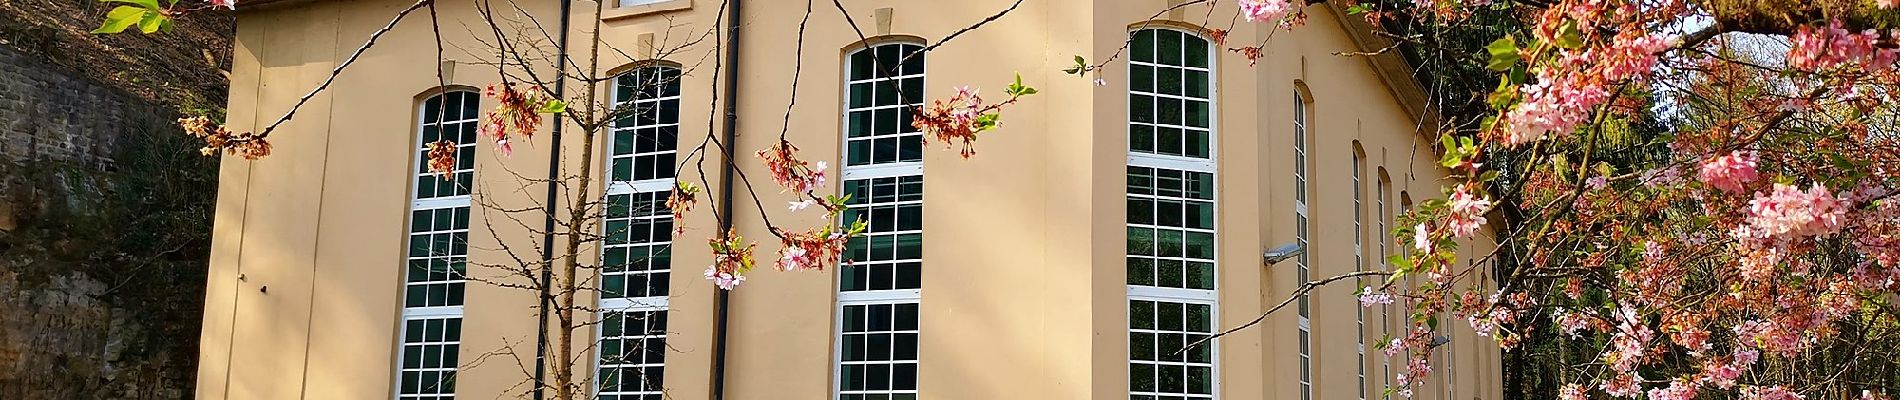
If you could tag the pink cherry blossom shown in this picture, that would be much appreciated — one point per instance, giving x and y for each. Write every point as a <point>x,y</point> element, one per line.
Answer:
<point>1623,385</point>
<point>1721,374</point>
<point>1730,172</point>
<point>792,174</point>
<point>793,259</point>
<point>723,280</point>
<point>1264,10</point>
<point>1569,89</point>
<point>1572,392</point>
<point>1677,390</point>
<point>1369,298</point>
<point>226,4</point>
<point>1788,211</point>
<point>1572,323</point>
<point>1422,238</point>
<point>1831,47</point>
<point>1770,393</point>
<point>1467,212</point>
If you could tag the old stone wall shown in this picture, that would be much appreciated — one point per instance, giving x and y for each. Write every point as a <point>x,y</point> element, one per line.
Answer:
<point>102,239</point>
<point>49,112</point>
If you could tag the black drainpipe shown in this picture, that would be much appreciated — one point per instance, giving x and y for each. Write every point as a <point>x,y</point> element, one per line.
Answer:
<point>547,241</point>
<point>722,302</point>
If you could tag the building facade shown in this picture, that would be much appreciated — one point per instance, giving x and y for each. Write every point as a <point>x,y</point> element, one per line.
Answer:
<point>1109,221</point>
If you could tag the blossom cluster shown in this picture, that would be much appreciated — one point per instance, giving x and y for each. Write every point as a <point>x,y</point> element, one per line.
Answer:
<point>442,158</point>
<point>1369,297</point>
<point>1788,211</point>
<point>1730,172</point>
<point>679,202</point>
<point>515,110</point>
<point>1467,212</point>
<point>791,173</point>
<point>959,118</point>
<point>1816,49</point>
<point>1577,81</point>
<point>247,145</point>
<point>812,250</point>
<point>732,258</point>
<point>1265,10</point>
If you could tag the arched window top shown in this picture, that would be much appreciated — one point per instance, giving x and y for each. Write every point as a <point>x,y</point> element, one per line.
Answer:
<point>646,131</point>
<point>1302,93</point>
<point>884,87</point>
<point>461,104</point>
<point>1171,96</point>
<point>888,59</point>
<point>447,117</point>
<point>647,82</point>
<point>1171,46</point>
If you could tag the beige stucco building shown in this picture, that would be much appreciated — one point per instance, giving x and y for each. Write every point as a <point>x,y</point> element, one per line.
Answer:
<point>1100,225</point>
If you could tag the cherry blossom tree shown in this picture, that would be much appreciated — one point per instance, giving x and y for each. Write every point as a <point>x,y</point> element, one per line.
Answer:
<point>1745,253</point>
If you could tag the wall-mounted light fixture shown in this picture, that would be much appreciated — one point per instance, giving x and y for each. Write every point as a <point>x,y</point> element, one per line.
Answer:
<point>1283,253</point>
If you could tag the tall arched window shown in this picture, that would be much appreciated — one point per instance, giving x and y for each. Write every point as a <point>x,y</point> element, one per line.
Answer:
<point>1301,137</point>
<point>433,281</point>
<point>883,175</point>
<point>1358,252</point>
<point>1384,237</point>
<point>637,253</point>
<point>1171,263</point>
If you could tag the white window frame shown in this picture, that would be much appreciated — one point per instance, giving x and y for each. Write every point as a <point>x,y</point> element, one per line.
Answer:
<point>867,172</point>
<point>1301,140</point>
<point>1385,232</point>
<point>418,203</point>
<point>662,187</point>
<point>1359,257</point>
<point>642,185</point>
<point>1185,164</point>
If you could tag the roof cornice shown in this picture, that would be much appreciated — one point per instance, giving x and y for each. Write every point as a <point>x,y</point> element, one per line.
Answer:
<point>1391,67</point>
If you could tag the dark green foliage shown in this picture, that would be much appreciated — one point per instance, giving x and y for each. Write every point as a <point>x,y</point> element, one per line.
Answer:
<point>140,226</point>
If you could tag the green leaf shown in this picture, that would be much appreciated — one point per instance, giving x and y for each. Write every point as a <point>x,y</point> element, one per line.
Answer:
<point>553,106</point>
<point>1399,263</point>
<point>1503,54</point>
<point>1569,36</point>
<point>151,22</point>
<point>1357,9</point>
<point>987,121</point>
<point>1017,89</point>
<point>1488,176</point>
<point>121,18</point>
<point>1081,66</point>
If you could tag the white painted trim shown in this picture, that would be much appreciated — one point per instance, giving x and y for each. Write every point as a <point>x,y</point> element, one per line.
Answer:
<point>1209,165</point>
<point>872,171</point>
<point>888,170</point>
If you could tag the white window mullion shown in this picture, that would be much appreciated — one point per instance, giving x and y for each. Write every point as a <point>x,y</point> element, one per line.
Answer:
<point>1171,263</point>
<point>636,265</point>
<point>880,285</point>
<point>1301,138</point>
<point>429,339</point>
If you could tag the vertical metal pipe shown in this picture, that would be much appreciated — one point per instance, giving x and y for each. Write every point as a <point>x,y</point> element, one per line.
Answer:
<point>722,303</point>
<point>547,241</point>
